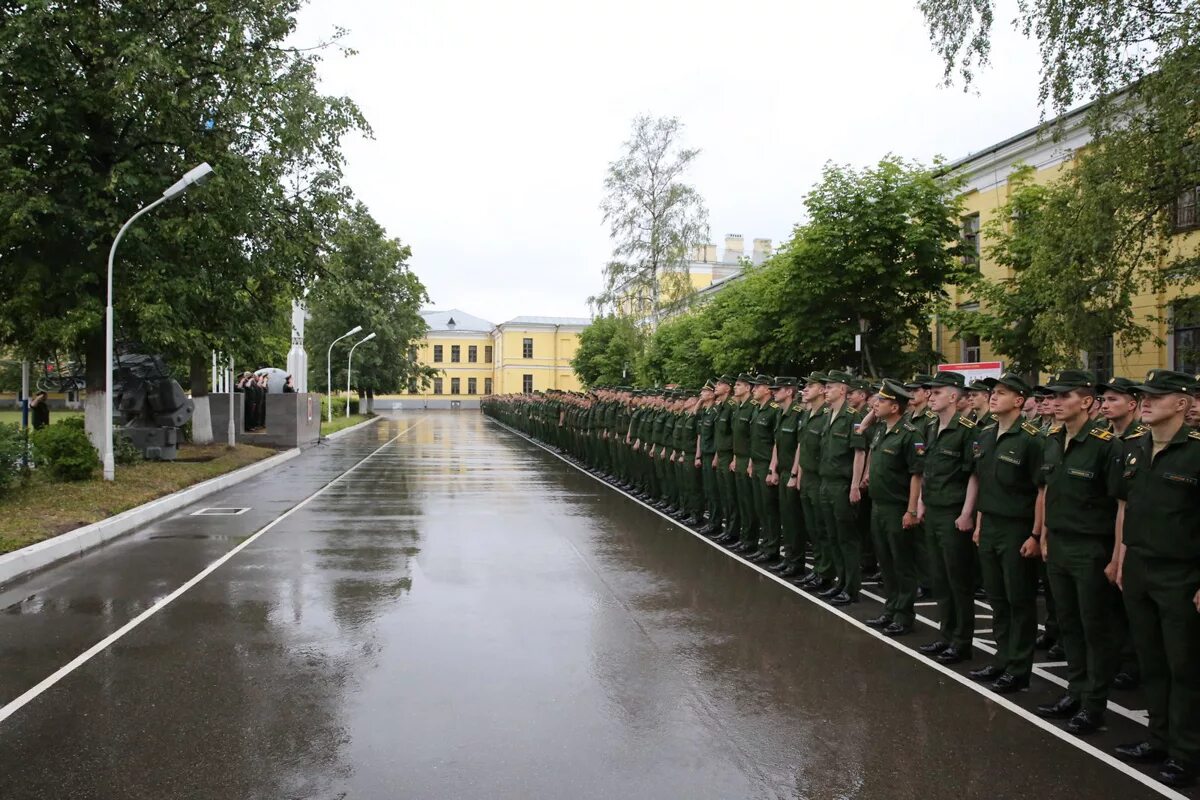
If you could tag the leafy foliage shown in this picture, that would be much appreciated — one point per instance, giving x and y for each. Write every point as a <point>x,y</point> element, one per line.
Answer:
<point>12,452</point>
<point>63,450</point>
<point>655,221</point>
<point>608,353</point>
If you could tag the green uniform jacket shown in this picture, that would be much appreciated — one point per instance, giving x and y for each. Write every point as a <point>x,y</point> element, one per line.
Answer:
<point>812,426</point>
<point>708,430</point>
<point>762,436</point>
<point>838,443</point>
<point>1162,518</point>
<point>787,434</point>
<point>949,462</point>
<point>1009,467</point>
<point>723,429</point>
<point>687,439</point>
<point>743,417</point>
<point>896,455</point>
<point>1081,475</point>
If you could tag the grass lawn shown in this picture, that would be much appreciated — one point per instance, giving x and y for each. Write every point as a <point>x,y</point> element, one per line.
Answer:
<point>12,416</point>
<point>40,508</point>
<point>343,422</point>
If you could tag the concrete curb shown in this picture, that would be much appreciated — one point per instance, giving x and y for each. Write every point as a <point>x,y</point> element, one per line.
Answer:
<point>354,427</point>
<point>75,543</point>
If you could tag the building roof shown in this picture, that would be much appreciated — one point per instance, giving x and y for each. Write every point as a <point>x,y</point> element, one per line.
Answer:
<point>582,322</point>
<point>455,320</point>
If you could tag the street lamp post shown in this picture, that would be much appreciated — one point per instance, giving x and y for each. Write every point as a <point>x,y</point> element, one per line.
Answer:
<point>193,177</point>
<point>329,367</point>
<point>349,363</point>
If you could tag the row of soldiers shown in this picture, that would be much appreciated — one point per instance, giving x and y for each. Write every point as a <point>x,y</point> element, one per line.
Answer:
<point>1095,484</point>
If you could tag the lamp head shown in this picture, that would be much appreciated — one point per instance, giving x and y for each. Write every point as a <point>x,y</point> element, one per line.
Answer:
<point>353,330</point>
<point>368,338</point>
<point>194,177</point>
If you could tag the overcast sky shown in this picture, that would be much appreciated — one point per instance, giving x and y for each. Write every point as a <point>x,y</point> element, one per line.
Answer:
<point>494,122</point>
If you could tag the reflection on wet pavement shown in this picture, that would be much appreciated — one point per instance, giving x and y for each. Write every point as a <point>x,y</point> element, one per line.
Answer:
<point>465,616</point>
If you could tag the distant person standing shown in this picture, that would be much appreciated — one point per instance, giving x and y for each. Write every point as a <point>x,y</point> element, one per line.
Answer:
<point>288,386</point>
<point>39,410</point>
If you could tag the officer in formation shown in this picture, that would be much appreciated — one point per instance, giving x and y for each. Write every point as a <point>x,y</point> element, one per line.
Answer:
<point>970,487</point>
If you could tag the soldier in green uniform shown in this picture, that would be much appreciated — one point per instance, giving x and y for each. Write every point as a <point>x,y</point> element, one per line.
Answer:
<point>806,473</point>
<point>1078,538</point>
<point>843,459</point>
<point>948,497</point>
<point>705,462</point>
<point>1008,468</point>
<point>896,463</point>
<point>743,419</point>
<point>783,456</point>
<point>762,447</point>
<point>1158,528</point>
<point>918,414</point>
<point>723,438</point>
<point>979,395</point>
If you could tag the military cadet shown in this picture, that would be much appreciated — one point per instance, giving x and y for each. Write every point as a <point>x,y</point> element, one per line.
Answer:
<point>896,462</point>
<point>1119,406</point>
<point>1008,470</point>
<point>861,399</point>
<point>806,472</point>
<point>918,414</point>
<point>691,495</point>
<point>706,455</point>
<point>1045,408</point>
<point>1158,527</point>
<point>783,456</point>
<point>723,438</point>
<point>843,459</point>
<point>743,419</point>
<point>979,393</point>
<point>947,507</point>
<point>1078,538</point>
<point>766,493</point>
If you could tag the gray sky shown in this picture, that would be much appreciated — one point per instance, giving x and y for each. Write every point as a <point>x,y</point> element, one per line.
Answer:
<point>494,122</point>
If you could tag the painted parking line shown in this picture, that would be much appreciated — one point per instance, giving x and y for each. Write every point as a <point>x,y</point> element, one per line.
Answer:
<point>81,659</point>
<point>1000,700</point>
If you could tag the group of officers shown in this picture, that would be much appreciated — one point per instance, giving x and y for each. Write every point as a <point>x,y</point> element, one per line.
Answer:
<point>1090,488</point>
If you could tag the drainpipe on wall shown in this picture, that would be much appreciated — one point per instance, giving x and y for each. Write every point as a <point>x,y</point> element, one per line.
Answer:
<point>555,367</point>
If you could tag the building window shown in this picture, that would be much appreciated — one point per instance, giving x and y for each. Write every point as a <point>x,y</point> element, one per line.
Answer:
<point>487,354</point>
<point>1185,330</point>
<point>454,385</point>
<point>472,354</point>
<point>1186,217</point>
<point>437,354</point>
<point>487,384</point>
<point>437,385</point>
<point>471,386</point>
<point>526,382</point>
<point>1099,359</point>
<point>527,348</point>
<point>455,354</point>
<point>412,354</point>
<point>970,235</point>
<point>971,349</point>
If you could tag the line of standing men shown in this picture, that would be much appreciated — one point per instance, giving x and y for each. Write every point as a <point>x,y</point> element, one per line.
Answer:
<point>947,484</point>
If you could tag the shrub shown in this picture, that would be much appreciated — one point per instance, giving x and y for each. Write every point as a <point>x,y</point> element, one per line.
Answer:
<point>72,422</point>
<point>339,406</point>
<point>12,451</point>
<point>124,451</point>
<point>64,450</point>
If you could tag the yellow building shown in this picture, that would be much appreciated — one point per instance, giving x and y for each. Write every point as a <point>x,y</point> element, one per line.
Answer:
<point>475,358</point>
<point>987,175</point>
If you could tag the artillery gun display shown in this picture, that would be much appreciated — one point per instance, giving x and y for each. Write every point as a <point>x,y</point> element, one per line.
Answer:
<point>152,405</point>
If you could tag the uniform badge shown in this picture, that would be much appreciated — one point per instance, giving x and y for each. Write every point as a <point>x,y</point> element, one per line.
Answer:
<point>976,449</point>
<point>920,448</point>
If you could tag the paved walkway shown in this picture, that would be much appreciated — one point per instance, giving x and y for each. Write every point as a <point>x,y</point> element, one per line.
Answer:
<point>435,607</point>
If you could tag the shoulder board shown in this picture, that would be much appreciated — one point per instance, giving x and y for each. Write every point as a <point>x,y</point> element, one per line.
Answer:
<point>774,405</point>
<point>908,426</point>
<point>1101,433</point>
<point>929,414</point>
<point>1034,430</point>
<point>966,422</point>
<point>824,409</point>
<point>988,427</point>
<point>731,403</point>
<point>1054,429</point>
<point>1194,435</point>
<point>1136,433</point>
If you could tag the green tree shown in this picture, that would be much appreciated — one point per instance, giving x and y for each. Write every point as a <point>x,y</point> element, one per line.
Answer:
<point>609,349</point>
<point>106,104</point>
<point>367,282</point>
<point>655,221</point>
<point>672,354</point>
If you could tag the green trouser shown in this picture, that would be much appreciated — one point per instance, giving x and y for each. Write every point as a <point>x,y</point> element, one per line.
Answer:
<point>766,508</point>
<point>922,555</point>
<point>744,487</point>
<point>695,478</point>
<point>1129,660</point>
<point>791,524</point>
<point>1086,605</point>
<point>841,521</point>
<point>1052,628</point>
<point>727,485</point>
<point>1011,584</point>
<point>952,571</point>
<point>895,548</point>
<point>814,521</point>
<point>1159,595</point>
<point>712,491</point>
<point>666,482</point>
<point>869,557</point>
<point>651,475</point>
<point>683,486</point>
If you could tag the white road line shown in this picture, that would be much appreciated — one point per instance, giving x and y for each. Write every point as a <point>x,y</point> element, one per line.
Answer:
<point>81,659</point>
<point>1001,700</point>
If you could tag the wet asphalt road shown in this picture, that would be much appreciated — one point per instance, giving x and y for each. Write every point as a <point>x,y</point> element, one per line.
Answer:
<point>464,615</point>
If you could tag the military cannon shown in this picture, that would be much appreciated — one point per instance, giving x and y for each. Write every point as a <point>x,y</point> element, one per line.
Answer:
<point>152,405</point>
